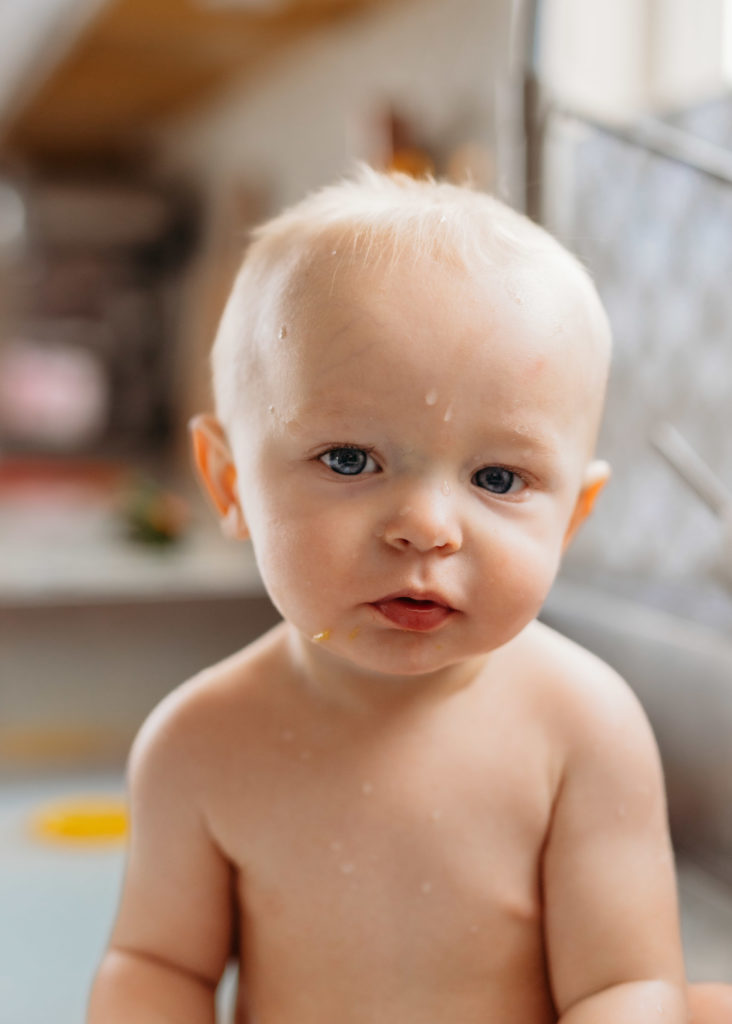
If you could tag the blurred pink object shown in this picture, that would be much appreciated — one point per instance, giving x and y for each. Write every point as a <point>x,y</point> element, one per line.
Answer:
<point>52,394</point>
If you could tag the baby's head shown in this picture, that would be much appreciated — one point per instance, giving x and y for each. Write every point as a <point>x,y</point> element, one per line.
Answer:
<point>406,370</point>
<point>374,223</point>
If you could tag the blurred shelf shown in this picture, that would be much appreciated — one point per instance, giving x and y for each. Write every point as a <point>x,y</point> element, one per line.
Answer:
<point>64,542</point>
<point>83,571</point>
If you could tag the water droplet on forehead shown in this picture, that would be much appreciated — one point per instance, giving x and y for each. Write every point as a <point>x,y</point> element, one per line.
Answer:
<point>348,868</point>
<point>283,332</point>
<point>431,397</point>
<point>448,413</point>
<point>445,488</point>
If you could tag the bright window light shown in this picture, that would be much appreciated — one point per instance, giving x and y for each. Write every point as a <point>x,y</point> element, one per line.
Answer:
<point>727,42</point>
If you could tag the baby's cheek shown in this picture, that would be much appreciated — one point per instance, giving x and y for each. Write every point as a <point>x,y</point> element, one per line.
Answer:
<point>293,566</point>
<point>529,569</point>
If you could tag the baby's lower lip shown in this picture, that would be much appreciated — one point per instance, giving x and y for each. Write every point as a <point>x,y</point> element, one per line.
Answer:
<point>409,613</point>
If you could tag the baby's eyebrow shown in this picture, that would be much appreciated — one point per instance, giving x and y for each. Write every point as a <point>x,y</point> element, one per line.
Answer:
<point>520,437</point>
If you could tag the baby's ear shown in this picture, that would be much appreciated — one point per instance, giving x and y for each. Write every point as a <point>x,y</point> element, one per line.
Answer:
<point>217,473</point>
<point>596,476</point>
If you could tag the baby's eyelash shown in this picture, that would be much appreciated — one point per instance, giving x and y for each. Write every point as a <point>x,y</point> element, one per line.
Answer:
<point>368,448</point>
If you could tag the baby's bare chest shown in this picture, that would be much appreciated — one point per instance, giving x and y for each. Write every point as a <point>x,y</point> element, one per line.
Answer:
<point>417,854</point>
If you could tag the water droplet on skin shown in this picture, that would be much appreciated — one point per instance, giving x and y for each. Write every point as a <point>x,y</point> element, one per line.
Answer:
<point>320,638</point>
<point>443,219</point>
<point>448,413</point>
<point>270,408</point>
<point>426,888</point>
<point>348,868</point>
<point>367,789</point>
<point>333,252</point>
<point>445,488</point>
<point>431,397</point>
<point>283,332</point>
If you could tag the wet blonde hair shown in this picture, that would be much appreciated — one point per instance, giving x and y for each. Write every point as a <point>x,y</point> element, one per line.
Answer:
<point>370,219</point>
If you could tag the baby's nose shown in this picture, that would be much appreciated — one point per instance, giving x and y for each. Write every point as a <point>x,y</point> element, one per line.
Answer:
<point>426,520</point>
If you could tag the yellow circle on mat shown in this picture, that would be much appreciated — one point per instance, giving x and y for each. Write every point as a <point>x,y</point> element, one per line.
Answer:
<point>81,820</point>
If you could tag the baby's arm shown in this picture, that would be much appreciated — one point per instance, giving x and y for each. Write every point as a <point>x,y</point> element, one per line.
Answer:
<point>611,913</point>
<point>171,939</point>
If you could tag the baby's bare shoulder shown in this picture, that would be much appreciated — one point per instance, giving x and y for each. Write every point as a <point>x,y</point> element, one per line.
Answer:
<point>196,718</point>
<point>588,703</point>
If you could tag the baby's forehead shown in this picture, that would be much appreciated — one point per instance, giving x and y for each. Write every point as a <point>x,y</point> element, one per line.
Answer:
<point>338,319</point>
<point>542,284</point>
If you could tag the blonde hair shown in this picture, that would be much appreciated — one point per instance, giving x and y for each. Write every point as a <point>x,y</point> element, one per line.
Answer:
<point>371,218</point>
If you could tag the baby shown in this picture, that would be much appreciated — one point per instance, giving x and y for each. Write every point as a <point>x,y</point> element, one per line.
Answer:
<point>410,802</point>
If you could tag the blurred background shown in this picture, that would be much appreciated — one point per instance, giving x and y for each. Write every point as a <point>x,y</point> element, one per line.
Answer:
<point>139,141</point>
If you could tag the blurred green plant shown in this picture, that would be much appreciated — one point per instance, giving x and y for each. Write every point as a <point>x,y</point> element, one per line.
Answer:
<point>153,514</point>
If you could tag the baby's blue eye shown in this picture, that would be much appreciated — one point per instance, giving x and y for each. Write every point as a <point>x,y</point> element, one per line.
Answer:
<point>348,461</point>
<point>498,480</point>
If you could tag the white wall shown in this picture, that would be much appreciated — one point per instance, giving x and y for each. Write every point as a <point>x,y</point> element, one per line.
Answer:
<point>293,126</point>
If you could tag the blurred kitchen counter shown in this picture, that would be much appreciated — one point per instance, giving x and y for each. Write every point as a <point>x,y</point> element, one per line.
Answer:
<point>63,540</point>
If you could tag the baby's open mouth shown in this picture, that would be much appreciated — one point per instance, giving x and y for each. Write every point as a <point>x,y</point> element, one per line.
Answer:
<point>420,614</point>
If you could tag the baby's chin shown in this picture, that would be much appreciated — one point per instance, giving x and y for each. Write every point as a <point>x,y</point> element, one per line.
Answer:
<point>393,656</point>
